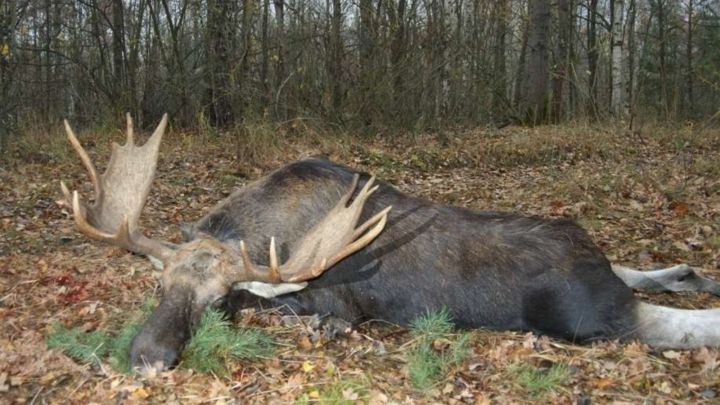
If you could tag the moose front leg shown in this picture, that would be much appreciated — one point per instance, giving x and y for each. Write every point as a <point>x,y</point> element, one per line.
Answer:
<point>672,279</point>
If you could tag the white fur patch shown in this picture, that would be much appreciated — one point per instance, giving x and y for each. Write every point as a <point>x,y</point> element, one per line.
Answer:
<point>677,328</point>
<point>266,290</point>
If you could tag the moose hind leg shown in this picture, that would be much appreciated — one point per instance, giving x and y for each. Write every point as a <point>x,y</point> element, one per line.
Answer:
<point>672,279</point>
<point>665,327</point>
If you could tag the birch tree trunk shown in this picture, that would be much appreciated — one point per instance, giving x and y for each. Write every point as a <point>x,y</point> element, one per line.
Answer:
<point>617,99</point>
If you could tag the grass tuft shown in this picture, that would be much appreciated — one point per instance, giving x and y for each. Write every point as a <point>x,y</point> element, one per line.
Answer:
<point>216,341</point>
<point>539,381</point>
<point>432,325</point>
<point>85,347</point>
<point>437,351</point>
<point>341,391</point>
<point>119,356</point>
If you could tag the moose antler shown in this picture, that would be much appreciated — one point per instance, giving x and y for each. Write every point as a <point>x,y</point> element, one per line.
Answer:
<point>331,240</point>
<point>120,193</point>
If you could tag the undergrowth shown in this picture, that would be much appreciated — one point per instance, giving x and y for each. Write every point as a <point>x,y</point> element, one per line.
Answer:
<point>539,381</point>
<point>340,391</point>
<point>85,347</point>
<point>217,341</point>
<point>437,351</point>
<point>95,347</point>
<point>258,143</point>
<point>214,343</point>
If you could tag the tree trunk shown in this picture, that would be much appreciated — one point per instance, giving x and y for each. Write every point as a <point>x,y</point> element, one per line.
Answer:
<point>536,89</point>
<point>398,48</point>
<point>280,105</point>
<point>690,106</point>
<point>562,53</point>
<point>219,49</point>
<point>265,51</point>
<point>118,50</point>
<point>499,94</point>
<point>520,78</point>
<point>632,11</point>
<point>242,76</point>
<point>617,99</point>
<point>336,56</point>
<point>592,47</point>
<point>662,56</point>
<point>133,61</point>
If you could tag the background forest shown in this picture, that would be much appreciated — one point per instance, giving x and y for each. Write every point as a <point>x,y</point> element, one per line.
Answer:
<point>362,65</point>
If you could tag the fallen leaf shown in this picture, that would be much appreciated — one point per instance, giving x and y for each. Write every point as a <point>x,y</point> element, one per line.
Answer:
<point>139,393</point>
<point>304,343</point>
<point>308,367</point>
<point>671,354</point>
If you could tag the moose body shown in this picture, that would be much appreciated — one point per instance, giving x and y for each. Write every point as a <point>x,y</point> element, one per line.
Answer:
<point>408,256</point>
<point>488,269</point>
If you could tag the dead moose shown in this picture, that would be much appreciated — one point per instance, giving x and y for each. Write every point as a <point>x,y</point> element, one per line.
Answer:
<point>488,269</point>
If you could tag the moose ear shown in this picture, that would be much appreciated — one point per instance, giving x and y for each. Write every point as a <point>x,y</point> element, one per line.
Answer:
<point>266,290</point>
<point>188,231</point>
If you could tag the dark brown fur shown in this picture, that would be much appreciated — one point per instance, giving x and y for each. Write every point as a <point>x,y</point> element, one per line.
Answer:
<point>488,269</point>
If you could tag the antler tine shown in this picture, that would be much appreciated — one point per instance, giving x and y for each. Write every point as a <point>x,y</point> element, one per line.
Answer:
<point>272,273</point>
<point>156,137</point>
<point>250,270</point>
<point>275,276</point>
<point>370,222</point>
<point>377,223</point>
<point>366,191</point>
<point>346,197</point>
<point>66,194</point>
<point>130,130</point>
<point>84,158</point>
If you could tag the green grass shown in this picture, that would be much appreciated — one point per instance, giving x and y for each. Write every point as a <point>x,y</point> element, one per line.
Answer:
<point>539,381</point>
<point>342,391</point>
<point>437,350</point>
<point>98,346</point>
<point>216,342</point>
<point>119,356</point>
<point>432,325</point>
<point>85,347</point>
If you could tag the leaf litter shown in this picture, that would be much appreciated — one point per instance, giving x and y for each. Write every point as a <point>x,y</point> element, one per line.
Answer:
<point>646,204</point>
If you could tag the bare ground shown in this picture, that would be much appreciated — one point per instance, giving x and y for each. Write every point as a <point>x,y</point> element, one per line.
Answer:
<point>649,199</point>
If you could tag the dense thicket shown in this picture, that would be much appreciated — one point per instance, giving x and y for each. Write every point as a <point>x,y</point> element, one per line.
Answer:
<point>362,64</point>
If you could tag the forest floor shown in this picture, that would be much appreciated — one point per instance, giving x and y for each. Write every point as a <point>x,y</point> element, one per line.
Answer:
<point>650,199</point>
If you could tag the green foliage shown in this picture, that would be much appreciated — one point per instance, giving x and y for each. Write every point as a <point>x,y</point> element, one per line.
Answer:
<point>85,347</point>
<point>425,367</point>
<point>216,341</point>
<point>94,347</point>
<point>437,350</point>
<point>342,391</point>
<point>432,325</point>
<point>120,347</point>
<point>538,381</point>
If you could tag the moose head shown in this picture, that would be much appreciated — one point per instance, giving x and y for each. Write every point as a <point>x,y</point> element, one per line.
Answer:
<point>200,272</point>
